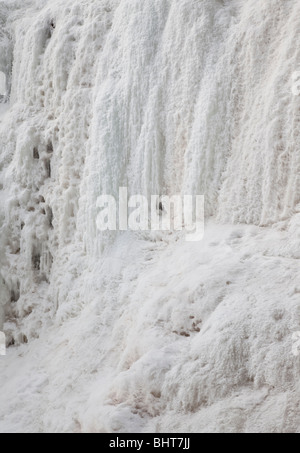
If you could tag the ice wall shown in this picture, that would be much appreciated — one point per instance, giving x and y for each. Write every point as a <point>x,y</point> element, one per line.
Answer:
<point>161,96</point>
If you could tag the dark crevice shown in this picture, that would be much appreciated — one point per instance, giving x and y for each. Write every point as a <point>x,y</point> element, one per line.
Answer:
<point>36,260</point>
<point>36,154</point>
<point>47,164</point>
<point>50,216</point>
<point>23,339</point>
<point>50,148</point>
<point>15,295</point>
<point>11,342</point>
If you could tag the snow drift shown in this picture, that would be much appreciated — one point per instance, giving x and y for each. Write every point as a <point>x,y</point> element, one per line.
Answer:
<point>144,332</point>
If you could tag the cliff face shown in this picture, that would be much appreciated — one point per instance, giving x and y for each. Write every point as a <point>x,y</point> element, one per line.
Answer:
<point>144,331</point>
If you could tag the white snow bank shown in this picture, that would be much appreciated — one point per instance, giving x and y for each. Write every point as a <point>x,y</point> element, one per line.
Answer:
<point>203,346</point>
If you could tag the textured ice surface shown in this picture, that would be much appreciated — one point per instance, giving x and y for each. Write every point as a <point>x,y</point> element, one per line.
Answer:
<point>144,332</point>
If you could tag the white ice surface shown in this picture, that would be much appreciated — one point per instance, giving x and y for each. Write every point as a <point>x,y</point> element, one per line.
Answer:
<point>145,332</point>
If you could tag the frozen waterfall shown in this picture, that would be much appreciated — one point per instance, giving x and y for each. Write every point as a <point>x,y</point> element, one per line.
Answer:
<point>137,332</point>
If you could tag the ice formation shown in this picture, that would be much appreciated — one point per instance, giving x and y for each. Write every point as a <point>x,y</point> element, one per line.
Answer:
<point>145,332</point>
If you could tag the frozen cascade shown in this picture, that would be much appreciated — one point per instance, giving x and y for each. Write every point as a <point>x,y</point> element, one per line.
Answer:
<point>163,97</point>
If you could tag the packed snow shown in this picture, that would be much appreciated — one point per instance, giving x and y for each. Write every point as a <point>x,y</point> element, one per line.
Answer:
<point>143,331</point>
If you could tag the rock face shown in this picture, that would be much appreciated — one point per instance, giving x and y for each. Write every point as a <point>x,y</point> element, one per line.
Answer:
<point>145,331</point>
